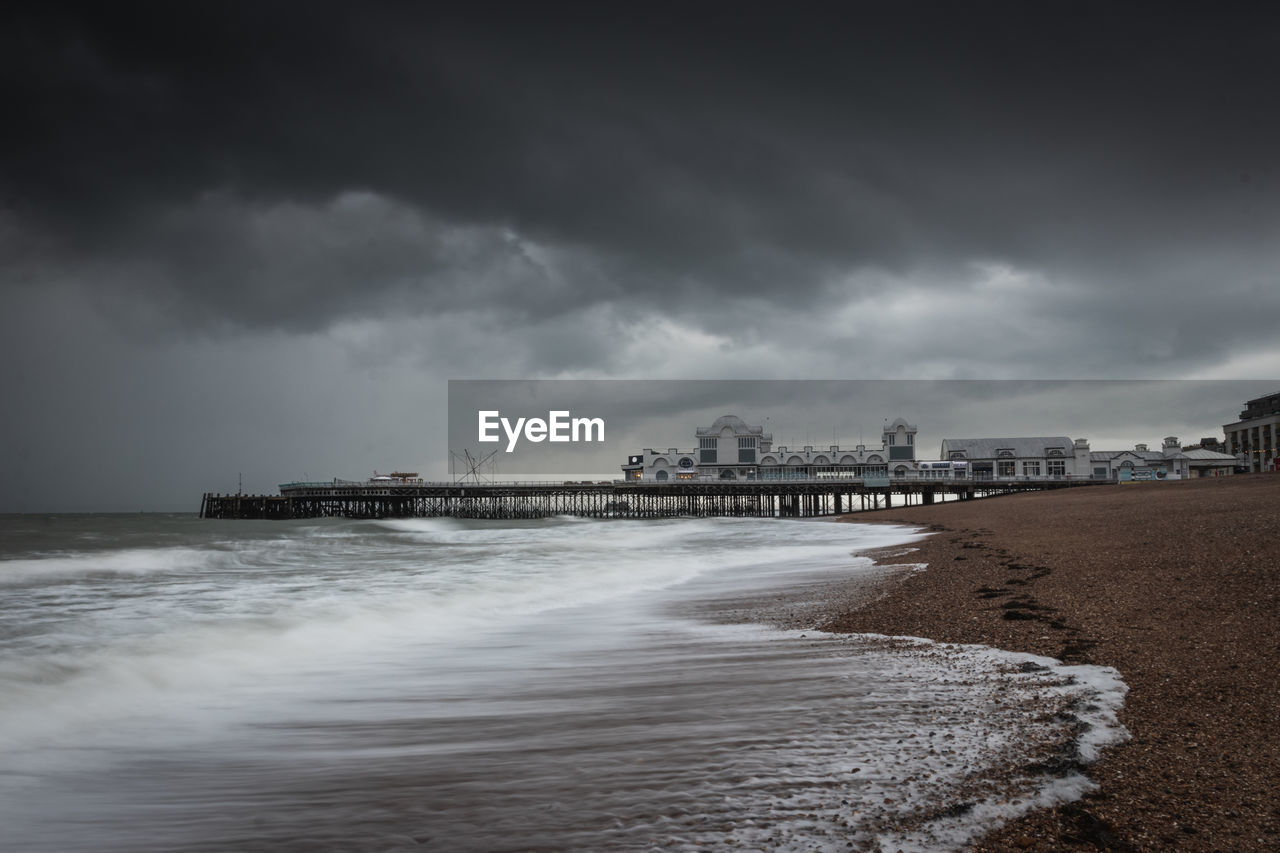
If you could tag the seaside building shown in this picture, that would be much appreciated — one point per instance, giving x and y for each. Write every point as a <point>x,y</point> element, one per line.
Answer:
<point>1202,462</point>
<point>732,449</point>
<point>1034,458</point>
<point>1217,445</point>
<point>1254,440</point>
<point>1060,458</point>
<point>1170,462</point>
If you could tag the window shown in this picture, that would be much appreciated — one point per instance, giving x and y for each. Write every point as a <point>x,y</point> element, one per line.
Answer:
<point>1004,468</point>
<point>1057,468</point>
<point>1031,469</point>
<point>707,450</point>
<point>891,440</point>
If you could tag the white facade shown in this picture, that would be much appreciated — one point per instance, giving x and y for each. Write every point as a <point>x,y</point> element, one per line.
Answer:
<point>1031,458</point>
<point>1202,462</point>
<point>1140,463</point>
<point>731,449</point>
<point>1170,463</point>
<point>1060,458</point>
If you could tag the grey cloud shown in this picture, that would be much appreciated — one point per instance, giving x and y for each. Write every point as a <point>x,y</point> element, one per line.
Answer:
<point>727,143</point>
<point>225,262</point>
<point>393,194</point>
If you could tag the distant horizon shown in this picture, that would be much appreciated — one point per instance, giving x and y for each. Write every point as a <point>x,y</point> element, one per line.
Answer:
<point>257,483</point>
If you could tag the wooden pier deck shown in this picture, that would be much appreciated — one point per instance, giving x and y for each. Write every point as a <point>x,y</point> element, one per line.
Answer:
<point>617,499</point>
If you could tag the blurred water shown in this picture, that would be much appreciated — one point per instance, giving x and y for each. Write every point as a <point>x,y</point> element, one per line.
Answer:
<point>168,683</point>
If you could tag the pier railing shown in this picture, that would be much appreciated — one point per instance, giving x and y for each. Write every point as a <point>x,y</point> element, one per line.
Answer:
<point>419,483</point>
<point>792,498</point>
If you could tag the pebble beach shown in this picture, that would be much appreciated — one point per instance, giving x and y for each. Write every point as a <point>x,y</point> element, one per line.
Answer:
<point>1174,584</point>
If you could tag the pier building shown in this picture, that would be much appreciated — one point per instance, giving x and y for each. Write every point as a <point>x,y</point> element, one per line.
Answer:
<point>735,469</point>
<point>1054,457</point>
<point>731,449</point>
<point>1060,458</point>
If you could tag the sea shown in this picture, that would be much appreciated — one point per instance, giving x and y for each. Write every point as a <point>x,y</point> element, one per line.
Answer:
<point>175,684</point>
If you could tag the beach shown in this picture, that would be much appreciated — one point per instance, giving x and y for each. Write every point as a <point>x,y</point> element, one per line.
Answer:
<point>168,683</point>
<point>1176,585</point>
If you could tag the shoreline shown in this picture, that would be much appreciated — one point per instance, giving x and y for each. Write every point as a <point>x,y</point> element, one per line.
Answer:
<point>1176,586</point>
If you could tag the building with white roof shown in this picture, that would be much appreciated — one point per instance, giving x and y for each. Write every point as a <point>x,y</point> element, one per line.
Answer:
<point>1170,462</point>
<point>1202,462</point>
<point>1060,458</point>
<point>732,449</point>
<point>1053,457</point>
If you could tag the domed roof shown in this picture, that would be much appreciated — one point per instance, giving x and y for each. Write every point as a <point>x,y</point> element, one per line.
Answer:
<point>730,425</point>
<point>738,424</point>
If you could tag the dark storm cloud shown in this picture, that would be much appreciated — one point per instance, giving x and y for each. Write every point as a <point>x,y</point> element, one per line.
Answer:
<point>210,153</point>
<point>259,237</point>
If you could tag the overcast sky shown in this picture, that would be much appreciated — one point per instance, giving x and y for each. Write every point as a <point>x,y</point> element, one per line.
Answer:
<point>260,238</point>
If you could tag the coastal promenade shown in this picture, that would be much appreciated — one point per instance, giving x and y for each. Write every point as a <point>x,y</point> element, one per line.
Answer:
<point>610,499</point>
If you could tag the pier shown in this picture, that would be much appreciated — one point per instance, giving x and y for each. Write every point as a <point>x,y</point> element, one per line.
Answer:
<point>609,499</point>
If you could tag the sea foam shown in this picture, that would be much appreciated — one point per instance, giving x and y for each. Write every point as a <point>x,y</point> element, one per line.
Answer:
<point>499,686</point>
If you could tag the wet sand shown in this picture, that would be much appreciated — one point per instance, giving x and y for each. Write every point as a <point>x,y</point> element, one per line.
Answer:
<point>1176,585</point>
